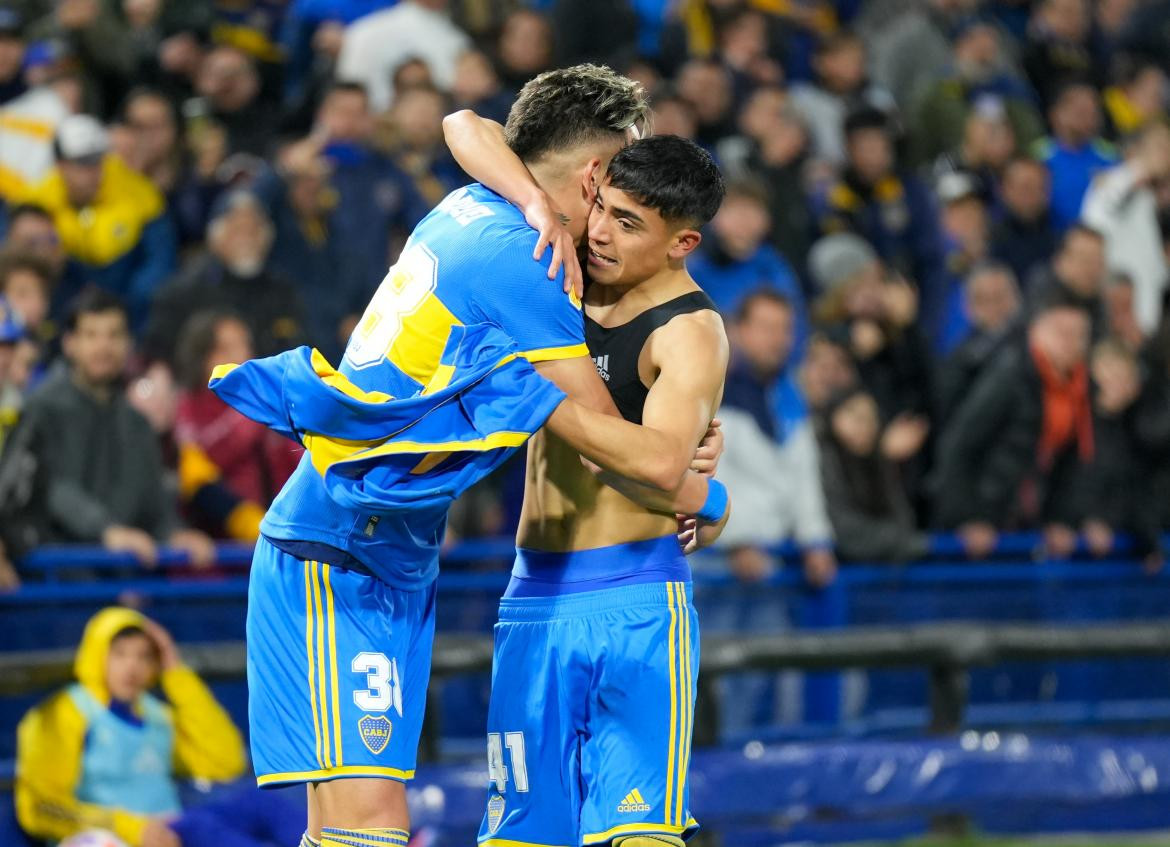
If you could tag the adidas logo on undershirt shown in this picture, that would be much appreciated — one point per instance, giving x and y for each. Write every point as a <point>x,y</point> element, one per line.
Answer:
<point>602,363</point>
<point>633,803</point>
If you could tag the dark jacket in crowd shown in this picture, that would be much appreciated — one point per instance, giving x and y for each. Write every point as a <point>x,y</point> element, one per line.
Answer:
<point>251,130</point>
<point>1119,490</point>
<point>898,376</point>
<point>312,256</point>
<point>376,200</point>
<point>269,304</point>
<point>987,466</point>
<point>868,505</point>
<point>1021,245</point>
<point>1053,63</point>
<point>1151,429</point>
<point>594,31</point>
<point>959,372</point>
<point>97,463</point>
<point>792,215</point>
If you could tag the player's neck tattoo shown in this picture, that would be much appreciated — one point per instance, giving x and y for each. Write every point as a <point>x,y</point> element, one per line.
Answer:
<point>565,219</point>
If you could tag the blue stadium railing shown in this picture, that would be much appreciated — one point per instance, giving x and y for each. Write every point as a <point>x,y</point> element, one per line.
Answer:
<point>50,561</point>
<point>64,585</point>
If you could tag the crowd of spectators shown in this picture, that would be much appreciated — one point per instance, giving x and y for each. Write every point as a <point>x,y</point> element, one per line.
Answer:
<point>943,256</point>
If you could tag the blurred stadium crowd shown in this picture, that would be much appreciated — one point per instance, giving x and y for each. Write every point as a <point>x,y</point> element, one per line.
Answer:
<point>942,256</point>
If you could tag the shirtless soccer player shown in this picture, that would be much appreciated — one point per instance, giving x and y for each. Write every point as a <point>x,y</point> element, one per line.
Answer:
<point>342,586</point>
<point>597,646</point>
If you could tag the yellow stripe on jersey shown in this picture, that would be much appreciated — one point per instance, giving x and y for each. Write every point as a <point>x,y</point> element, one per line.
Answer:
<point>332,658</point>
<point>326,452</point>
<point>312,659</point>
<point>440,379</point>
<point>688,702</point>
<point>671,757</point>
<point>429,462</point>
<point>418,347</point>
<point>321,671</point>
<point>676,776</point>
<point>645,828</point>
<point>326,774</point>
<point>503,842</point>
<point>331,377</point>
<point>550,354</point>
<point>220,371</point>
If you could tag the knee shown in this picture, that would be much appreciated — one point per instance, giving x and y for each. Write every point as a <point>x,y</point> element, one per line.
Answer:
<point>363,804</point>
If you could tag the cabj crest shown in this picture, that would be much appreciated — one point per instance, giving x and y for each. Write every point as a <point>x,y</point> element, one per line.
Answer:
<point>495,813</point>
<point>375,732</point>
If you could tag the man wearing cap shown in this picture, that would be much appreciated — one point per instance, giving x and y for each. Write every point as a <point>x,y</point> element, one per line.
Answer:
<point>109,218</point>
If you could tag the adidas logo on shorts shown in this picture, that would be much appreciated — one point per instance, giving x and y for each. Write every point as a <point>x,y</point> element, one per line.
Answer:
<point>633,803</point>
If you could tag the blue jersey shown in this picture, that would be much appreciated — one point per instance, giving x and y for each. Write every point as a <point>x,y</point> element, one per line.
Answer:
<point>468,262</point>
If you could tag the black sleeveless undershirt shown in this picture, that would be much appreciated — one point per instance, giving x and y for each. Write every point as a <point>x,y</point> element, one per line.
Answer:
<point>615,350</point>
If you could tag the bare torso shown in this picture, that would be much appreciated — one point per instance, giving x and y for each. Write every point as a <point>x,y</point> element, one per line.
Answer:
<point>565,506</point>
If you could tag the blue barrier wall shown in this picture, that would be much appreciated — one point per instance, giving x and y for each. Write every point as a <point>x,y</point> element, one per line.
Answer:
<point>66,585</point>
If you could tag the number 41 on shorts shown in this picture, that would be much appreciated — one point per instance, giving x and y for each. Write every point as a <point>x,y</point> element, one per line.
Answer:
<point>497,770</point>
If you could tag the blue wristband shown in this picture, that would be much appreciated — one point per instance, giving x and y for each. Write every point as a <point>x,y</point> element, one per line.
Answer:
<point>716,504</point>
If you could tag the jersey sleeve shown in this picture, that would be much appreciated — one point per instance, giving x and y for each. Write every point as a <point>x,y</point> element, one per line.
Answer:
<point>544,321</point>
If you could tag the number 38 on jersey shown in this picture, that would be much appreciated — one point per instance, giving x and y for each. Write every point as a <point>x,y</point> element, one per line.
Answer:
<point>403,292</point>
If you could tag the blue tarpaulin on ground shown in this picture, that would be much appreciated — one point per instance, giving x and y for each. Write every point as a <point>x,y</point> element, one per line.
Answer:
<point>872,790</point>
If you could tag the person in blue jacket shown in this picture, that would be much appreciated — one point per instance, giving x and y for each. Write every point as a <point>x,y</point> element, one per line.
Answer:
<point>740,260</point>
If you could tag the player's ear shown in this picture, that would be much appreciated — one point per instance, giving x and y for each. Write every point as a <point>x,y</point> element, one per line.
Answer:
<point>685,242</point>
<point>590,179</point>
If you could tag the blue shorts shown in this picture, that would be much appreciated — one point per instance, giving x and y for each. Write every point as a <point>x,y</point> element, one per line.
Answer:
<point>338,666</point>
<point>589,727</point>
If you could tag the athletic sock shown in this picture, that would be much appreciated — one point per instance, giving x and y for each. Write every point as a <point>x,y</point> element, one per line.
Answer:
<point>332,837</point>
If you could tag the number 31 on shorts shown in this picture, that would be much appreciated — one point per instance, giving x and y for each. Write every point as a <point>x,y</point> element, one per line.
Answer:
<point>497,770</point>
<point>383,686</point>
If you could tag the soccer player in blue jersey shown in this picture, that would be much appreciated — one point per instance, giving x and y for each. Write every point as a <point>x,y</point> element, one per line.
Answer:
<point>341,600</point>
<point>597,645</point>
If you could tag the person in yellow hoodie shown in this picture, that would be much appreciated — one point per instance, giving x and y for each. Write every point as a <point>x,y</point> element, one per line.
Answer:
<point>104,753</point>
<point>110,218</point>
